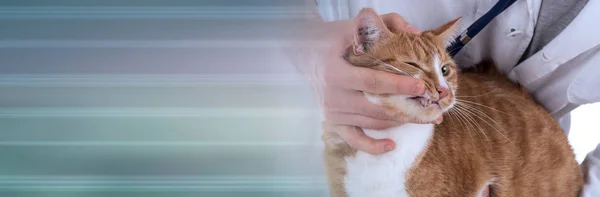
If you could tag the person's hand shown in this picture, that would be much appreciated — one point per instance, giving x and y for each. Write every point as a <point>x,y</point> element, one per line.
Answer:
<point>346,108</point>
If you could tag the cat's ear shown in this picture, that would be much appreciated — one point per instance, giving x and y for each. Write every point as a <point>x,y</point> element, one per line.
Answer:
<point>368,29</point>
<point>447,32</point>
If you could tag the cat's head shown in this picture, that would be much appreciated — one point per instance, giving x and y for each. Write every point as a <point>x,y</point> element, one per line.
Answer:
<point>422,56</point>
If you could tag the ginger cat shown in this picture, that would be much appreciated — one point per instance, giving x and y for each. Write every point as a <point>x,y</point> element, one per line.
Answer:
<point>495,141</point>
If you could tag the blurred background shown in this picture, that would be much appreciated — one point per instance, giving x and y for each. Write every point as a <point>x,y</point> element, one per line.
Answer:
<point>154,98</point>
<point>163,98</point>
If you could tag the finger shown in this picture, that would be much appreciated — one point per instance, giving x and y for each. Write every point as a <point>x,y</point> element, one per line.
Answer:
<point>357,139</point>
<point>354,102</point>
<point>396,22</point>
<point>340,118</point>
<point>412,29</point>
<point>379,82</point>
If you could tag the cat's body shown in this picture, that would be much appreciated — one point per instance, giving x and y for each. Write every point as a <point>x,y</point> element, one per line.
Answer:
<point>517,153</point>
<point>494,140</point>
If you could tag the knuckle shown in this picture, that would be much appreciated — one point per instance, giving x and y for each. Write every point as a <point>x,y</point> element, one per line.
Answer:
<point>406,119</point>
<point>373,124</point>
<point>379,126</point>
<point>404,80</point>
<point>368,146</point>
<point>394,15</point>
<point>355,145</point>
<point>330,117</point>
<point>370,82</point>
<point>382,125</point>
<point>327,74</point>
<point>328,103</point>
<point>403,88</point>
<point>372,146</point>
<point>328,78</point>
<point>349,137</point>
<point>380,114</point>
<point>351,141</point>
<point>394,20</point>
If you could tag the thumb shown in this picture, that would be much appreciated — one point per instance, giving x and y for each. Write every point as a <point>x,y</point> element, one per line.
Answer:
<point>396,22</point>
<point>357,139</point>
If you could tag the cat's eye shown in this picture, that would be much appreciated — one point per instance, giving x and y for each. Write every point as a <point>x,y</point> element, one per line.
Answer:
<point>412,64</point>
<point>445,70</point>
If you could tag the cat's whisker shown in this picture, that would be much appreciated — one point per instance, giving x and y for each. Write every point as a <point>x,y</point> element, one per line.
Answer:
<point>454,50</point>
<point>387,65</point>
<point>468,96</point>
<point>395,69</point>
<point>462,123</point>
<point>392,67</point>
<point>478,113</point>
<point>473,120</point>
<point>479,104</point>
<point>466,110</point>
<point>452,114</point>
<point>466,114</point>
<point>496,128</point>
<point>463,116</point>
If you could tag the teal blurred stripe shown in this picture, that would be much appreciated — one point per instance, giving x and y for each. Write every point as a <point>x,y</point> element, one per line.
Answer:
<point>152,44</point>
<point>161,194</point>
<point>204,12</point>
<point>155,98</point>
<point>159,143</point>
<point>162,183</point>
<point>157,112</point>
<point>149,80</point>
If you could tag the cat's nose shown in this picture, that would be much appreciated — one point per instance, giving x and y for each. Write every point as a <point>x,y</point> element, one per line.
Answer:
<point>442,91</point>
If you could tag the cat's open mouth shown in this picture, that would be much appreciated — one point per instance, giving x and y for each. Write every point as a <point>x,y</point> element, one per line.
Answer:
<point>424,101</point>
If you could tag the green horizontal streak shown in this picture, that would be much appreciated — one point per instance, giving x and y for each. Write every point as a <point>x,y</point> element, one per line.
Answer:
<point>261,12</point>
<point>155,43</point>
<point>147,177</point>
<point>147,80</point>
<point>158,112</point>
<point>71,143</point>
<point>111,9</point>
<point>197,183</point>
<point>171,182</point>
<point>162,188</point>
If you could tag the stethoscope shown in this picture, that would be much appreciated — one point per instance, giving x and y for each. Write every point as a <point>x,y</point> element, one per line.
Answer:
<point>464,37</point>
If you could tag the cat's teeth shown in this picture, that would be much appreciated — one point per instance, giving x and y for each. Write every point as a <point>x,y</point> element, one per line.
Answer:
<point>425,95</point>
<point>425,102</point>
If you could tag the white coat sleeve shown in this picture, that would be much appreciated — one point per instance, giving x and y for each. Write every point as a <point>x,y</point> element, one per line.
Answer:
<point>591,170</point>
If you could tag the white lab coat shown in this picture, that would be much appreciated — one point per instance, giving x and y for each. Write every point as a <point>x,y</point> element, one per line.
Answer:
<point>562,75</point>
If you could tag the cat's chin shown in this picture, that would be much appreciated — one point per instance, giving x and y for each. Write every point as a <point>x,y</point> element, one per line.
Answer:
<point>412,108</point>
<point>429,112</point>
<point>430,115</point>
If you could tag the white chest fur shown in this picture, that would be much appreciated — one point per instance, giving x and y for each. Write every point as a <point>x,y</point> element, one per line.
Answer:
<point>384,175</point>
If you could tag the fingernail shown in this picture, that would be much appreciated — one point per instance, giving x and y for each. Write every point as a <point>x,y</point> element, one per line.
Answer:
<point>439,120</point>
<point>412,29</point>
<point>418,88</point>
<point>388,148</point>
